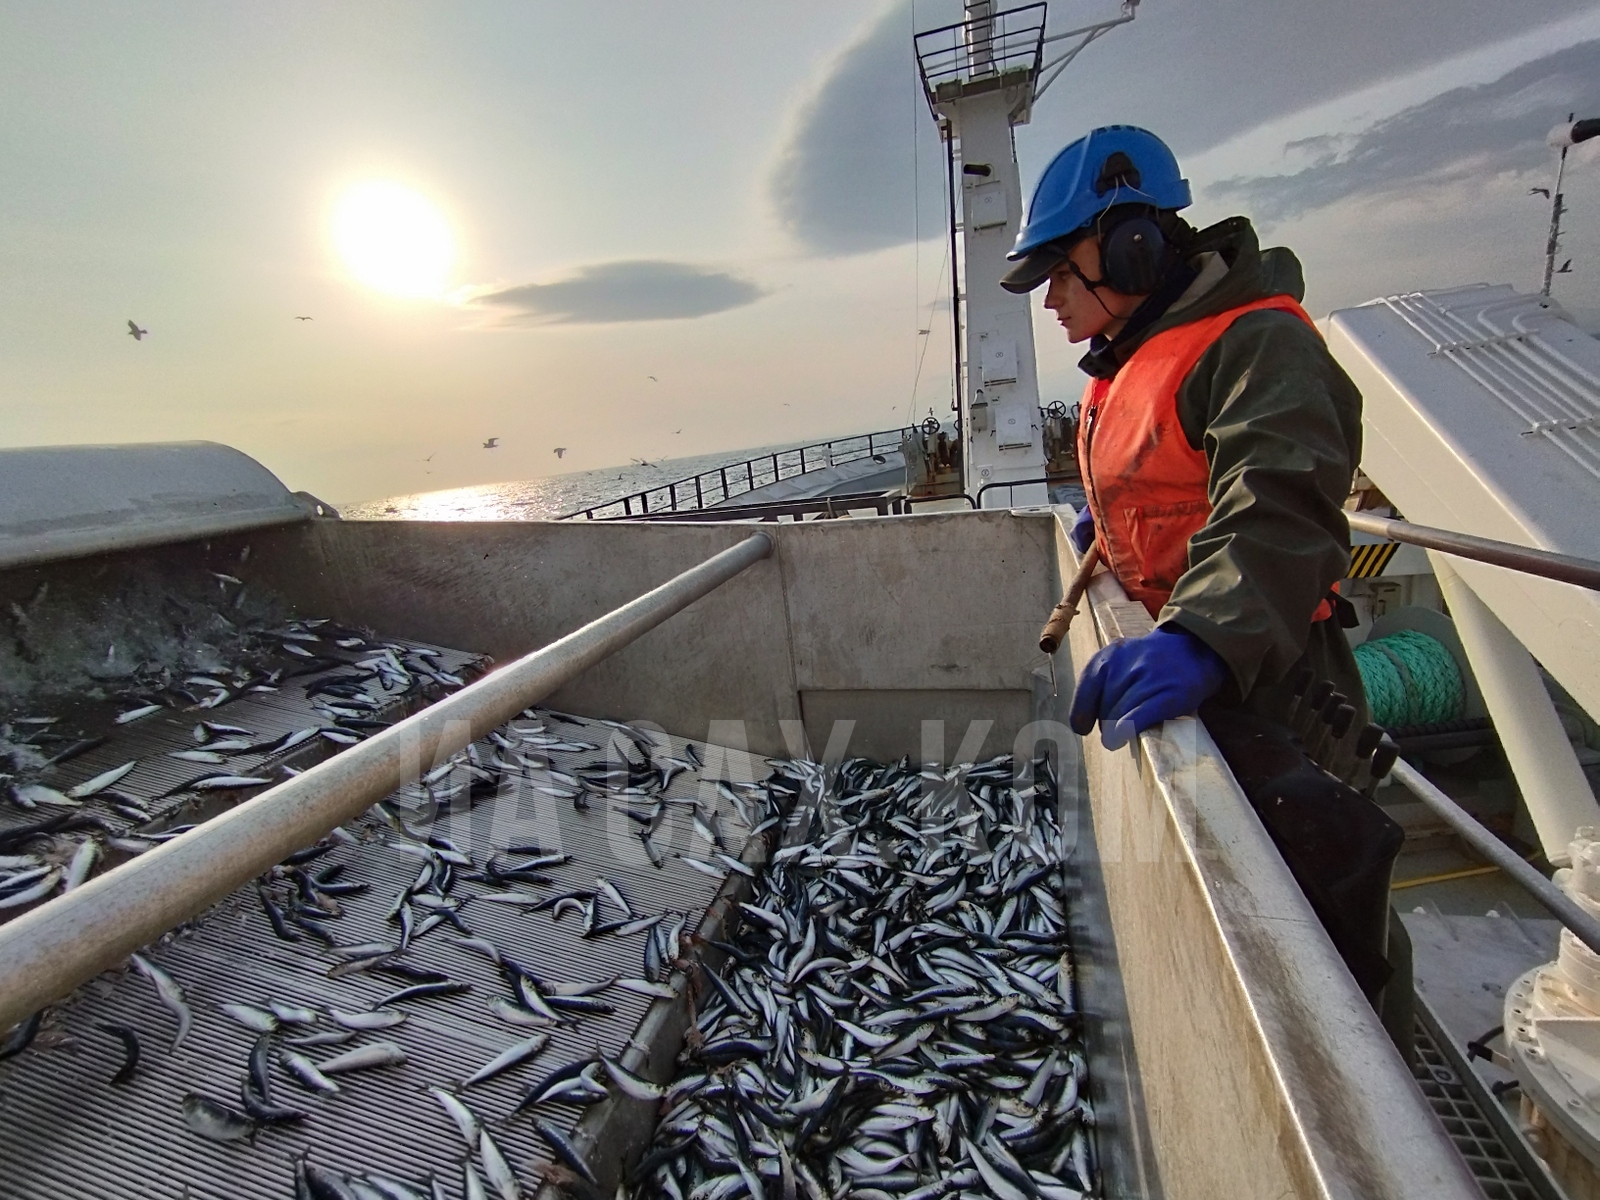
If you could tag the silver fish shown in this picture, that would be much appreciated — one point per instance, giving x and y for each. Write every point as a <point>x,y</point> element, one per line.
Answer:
<point>515,1014</point>
<point>500,1175</point>
<point>508,1058</point>
<point>376,1019</point>
<point>217,783</point>
<point>198,756</point>
<point>374,1054</point>
<point>38,891</point>
<point>30,794</point>
<point>630,1084</point>
<point>292,1014</point>
<point>170,993</point>
<point>463,1116</point>
<point>305,1072</point>
<point>215,1122</point>
<point>102,781</point>
<point>251,1017</point>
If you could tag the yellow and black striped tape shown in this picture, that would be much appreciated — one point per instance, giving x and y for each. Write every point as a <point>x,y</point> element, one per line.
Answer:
<point>1368,561</point>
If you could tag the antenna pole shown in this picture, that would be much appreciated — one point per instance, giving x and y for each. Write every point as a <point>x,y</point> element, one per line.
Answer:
<point>1557,206</point>
<point>955,266</point>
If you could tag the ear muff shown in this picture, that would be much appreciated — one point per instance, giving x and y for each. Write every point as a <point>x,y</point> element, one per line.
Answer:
<point>1134,256</point>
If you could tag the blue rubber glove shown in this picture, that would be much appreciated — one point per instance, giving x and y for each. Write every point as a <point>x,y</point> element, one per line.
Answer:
<point>1081,535</point>
<point>1136,683</point>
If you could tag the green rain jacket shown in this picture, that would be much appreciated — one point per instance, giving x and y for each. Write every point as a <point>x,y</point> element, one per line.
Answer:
<point>1280,424</point>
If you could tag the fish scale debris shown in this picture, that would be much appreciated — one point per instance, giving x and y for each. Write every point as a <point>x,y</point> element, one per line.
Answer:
<point>896,1017</point>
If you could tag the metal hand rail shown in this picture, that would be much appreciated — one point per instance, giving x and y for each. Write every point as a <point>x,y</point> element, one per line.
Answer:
<point>1014,483</point>
<point>49,951</point>
<point>1568,568</point>
<point>885,503</point>
<point>953,56</point>
<point>1561,906</point>
<point>713,487</point>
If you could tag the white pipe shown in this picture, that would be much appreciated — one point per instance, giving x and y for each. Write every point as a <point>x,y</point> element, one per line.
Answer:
<point>1561,906</point>
<point>49,951</point>
<point>1553,785</point>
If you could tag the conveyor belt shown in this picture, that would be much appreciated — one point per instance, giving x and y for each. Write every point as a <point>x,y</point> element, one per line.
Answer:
<point>267,715</point>
<point>66,1131</point>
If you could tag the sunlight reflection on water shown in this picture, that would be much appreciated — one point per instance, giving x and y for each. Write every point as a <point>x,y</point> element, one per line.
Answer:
<point>548,498</point>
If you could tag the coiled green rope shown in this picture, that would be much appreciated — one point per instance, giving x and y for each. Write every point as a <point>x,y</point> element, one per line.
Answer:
<point>1411,679</point>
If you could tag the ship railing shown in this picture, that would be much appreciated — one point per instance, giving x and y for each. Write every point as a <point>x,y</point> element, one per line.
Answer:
<point>954,58</point>
<point>721,484</point>
<point>816,507</point>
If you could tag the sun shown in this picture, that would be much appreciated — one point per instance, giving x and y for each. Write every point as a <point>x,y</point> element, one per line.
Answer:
<point>394,239</point>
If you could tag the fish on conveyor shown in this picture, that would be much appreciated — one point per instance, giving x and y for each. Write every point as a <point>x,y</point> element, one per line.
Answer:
<point>375,1019</point>
<point>510,1057</point>
<point>216,1121</point>
<point>130,1051</point>
<point>170,994</point>
<point>896,1016</point>
<point>314,1183</point>
<point>292,1014</point>
<point>38,890</point>
<point>251,1017</point>
<point>304,1072</point>
<point>198,756</point>
<point>565,1150</point>
<point>465,1120</point>
<point>497,1170</point>
<point>423,991</point>
<point>375,1054</point>
<point>30,794</point>
<point>101,782</point>
<point>21,1036</point>
<point>255,1090</point>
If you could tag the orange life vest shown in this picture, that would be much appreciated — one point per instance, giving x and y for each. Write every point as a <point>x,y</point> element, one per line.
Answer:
<point>1147,487</point>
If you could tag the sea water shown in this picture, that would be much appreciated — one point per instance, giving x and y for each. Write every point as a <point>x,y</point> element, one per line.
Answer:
<point>550,497</point>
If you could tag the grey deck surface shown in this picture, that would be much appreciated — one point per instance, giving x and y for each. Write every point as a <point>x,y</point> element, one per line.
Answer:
<point>65,1131</point>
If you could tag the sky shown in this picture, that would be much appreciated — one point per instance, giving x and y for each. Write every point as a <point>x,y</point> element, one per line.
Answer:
<point>672,230</point>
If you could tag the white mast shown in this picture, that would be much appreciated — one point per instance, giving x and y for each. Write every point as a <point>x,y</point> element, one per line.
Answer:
<point>982,76</point>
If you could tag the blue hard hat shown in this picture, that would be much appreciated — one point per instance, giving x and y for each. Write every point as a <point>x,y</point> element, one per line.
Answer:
<point>1112,165</point>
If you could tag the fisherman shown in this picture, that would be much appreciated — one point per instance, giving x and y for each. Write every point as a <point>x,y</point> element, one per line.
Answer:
<point>1217,441</point>
<point>1217,438</point>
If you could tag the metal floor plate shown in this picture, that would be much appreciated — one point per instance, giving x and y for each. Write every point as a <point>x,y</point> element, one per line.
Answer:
<point>64,1130</point>
<point>1502,1163</point>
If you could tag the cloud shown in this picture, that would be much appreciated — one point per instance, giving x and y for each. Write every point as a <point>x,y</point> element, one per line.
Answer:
<point>862,158</point>
<point>636,290</point>
<point>1460,134</point>
<point>861,167</point>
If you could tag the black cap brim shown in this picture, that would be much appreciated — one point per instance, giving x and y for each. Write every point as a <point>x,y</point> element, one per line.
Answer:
<point>1032,269</point>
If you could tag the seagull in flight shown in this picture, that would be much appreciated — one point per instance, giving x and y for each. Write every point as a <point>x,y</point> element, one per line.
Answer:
<point>652,379</point>
<point>305,318</point>
<point>1565,268</point>
<point>492,444</point>
<point>677,431</point>
<point>560,451</point>
<point>135,332</point>
<point>1545,192</point>
<point>642,462</point>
